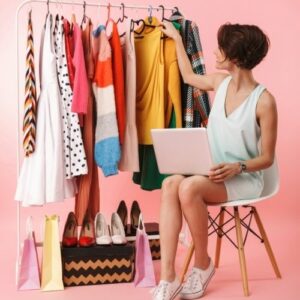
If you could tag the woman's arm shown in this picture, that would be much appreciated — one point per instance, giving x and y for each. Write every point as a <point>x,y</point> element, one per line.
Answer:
<point>266,113</point>
<point>203,82</point>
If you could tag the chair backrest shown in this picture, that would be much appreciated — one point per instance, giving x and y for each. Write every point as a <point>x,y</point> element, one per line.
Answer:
<point>271,180</point>
<point>271,187</point>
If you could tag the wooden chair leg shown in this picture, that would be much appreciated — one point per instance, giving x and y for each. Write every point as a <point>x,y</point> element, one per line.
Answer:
<point>187,262</point>
<point>266,242</point>
<point>241,251</point>
<point>219,238</point>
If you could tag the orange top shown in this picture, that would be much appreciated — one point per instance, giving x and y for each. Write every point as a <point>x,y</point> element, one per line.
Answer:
<point>118,78</point>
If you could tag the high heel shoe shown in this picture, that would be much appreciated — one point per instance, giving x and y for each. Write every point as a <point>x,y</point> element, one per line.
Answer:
<point>70,235</point>
<point>123,213</point>
<point>134,215</point>
<point>102,232</point>
<point>87,233</point>
<point>117,230</point>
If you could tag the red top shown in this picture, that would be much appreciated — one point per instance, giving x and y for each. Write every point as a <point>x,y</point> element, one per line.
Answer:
<point>69,50</point>
<point>118,79</point>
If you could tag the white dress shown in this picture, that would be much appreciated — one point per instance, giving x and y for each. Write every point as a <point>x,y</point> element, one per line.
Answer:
<point>42,178</point>
<point>235,138</point>
<point>74,153</point>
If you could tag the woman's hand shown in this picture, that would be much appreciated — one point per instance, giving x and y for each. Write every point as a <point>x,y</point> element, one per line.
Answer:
<point>224,171</point>
<point>169,30</point>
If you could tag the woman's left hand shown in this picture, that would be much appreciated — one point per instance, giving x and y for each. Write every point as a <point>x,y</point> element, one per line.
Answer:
<point>224,171</point>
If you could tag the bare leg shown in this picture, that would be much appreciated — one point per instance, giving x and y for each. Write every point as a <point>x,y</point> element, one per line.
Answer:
<point>194,194</point>
<point>169,225</point>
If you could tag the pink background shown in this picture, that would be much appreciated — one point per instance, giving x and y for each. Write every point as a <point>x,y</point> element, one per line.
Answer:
<point>278,72</point>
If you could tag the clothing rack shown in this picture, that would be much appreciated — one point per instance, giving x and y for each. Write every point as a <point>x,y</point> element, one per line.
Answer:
<point>150,9</point>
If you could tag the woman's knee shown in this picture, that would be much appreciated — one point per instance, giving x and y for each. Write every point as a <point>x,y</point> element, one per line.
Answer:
<point>190,191</point>
<point>171,183</point>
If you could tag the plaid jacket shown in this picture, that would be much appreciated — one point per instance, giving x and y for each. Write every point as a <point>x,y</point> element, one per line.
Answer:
<point>195,103</point>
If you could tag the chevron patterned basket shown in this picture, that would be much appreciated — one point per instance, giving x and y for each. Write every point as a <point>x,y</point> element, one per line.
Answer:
<point>97,265</point>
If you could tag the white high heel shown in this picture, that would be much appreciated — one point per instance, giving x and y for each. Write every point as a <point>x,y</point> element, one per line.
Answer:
<point>101,230</point>
<point>117,230</point>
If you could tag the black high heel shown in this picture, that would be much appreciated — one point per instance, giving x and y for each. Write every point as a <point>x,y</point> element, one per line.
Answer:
<point>134,215</point>
<point>123,213</point>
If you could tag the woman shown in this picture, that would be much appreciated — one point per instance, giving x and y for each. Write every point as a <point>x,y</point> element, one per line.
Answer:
<point>243,113</point>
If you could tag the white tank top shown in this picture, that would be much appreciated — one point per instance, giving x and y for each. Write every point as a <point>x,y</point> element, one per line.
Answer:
<point>235,138</point>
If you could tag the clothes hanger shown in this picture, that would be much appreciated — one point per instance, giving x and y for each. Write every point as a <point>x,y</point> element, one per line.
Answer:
<point>84,16</point>
<point>109,19</point>
<point>144,24</point>
<point>150,14</point>
<point>163,14</point>
<point>121,20</point>
<point>176,12</point>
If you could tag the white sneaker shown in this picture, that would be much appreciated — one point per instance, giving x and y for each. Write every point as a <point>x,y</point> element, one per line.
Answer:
<point>167,290</point>
<point>197,281</point>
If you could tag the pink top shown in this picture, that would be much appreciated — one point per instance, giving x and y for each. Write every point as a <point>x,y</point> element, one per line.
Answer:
<point>80,89</point>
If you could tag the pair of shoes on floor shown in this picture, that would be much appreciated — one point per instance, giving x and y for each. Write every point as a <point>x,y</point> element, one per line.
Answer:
<point>114,235</point>
<point>70,234</point>
<point>193,288</point>
<point>135,211</point>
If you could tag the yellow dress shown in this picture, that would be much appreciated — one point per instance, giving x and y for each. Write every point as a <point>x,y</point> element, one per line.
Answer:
<point>150,82</point>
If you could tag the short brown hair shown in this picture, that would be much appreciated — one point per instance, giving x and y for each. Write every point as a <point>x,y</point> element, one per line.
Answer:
<point>246,45</point>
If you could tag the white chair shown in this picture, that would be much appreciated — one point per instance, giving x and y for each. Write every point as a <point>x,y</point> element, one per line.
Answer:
<point>217,225</point>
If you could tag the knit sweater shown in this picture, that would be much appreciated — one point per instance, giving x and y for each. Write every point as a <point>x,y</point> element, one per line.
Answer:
<point>107,147</point>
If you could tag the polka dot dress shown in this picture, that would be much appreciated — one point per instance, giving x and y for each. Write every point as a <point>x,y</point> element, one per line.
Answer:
<point>75,158</point>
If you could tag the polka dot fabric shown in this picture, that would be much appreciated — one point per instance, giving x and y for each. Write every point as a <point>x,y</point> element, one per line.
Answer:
<point>75,158</point>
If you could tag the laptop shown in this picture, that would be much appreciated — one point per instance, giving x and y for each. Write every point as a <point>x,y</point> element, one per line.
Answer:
<point>182,151</point>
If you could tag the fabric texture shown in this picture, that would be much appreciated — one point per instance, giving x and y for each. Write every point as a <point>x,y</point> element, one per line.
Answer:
<point>195,103</point>
<point>235,138</point>
<point>129,154</point>
<point>80,88</point>
<point>150,83</point>
<point>88,196</point>
<point>107,147</point>
<point>29,121</point>
<point>149,177</point>
<point>74,152</point>
<point>69,45</point>
<point>118,80</point>
<point>42,177</point>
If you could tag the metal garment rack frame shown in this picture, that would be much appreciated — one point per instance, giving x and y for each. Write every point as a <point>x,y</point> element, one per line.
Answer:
<point>108,5</point>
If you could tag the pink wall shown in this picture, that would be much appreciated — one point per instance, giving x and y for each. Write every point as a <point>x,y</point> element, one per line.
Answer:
<point>279,19</point>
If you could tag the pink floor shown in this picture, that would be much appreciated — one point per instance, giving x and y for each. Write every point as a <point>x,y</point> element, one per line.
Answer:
<point>283,234</point>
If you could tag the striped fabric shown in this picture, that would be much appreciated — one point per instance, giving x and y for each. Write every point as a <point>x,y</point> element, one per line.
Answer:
<point>107,148</point>
<point>29,122</point>
<point>195,103</point>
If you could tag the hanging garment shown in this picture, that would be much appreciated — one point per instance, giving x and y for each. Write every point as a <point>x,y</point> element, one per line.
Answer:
<point>129,154</point>
<point>150,83</point>
<point>80,88</point>
<point>149,177</point>
<point>29,121</point>
<point>107,146</point>
<point>235,138</point>
<point>196,106</point>
<point>42,177</point>
<point>88,195</point>
<point>118,78</point>
<point>69,45</point>
<point>74,153</point>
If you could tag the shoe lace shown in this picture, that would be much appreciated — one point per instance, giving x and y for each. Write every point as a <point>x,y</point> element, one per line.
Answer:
<point>161,289</point>
<point>192,280</point>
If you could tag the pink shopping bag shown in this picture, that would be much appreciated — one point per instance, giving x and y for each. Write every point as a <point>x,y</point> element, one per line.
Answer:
<point>144,271</point>
<point>29,274</point>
